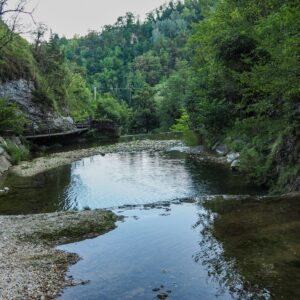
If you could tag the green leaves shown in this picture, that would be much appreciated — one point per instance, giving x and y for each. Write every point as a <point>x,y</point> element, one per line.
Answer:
<point>11,119</point>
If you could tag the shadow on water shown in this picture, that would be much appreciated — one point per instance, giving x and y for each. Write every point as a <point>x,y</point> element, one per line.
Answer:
<point>40,194</point>
<point>252,248</point>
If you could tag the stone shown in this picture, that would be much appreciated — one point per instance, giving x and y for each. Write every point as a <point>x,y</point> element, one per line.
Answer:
<point>2,151</point>
<point>2,141</point>
<point>16,140</point>
<point>235,165</point>
<point>221,149</point>
<point>232,156</point>
<point>4,164</point>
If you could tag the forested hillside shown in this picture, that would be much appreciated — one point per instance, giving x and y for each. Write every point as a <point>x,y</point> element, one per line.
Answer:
<point>228,70</point>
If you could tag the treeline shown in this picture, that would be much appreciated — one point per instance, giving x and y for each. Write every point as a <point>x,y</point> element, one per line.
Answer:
<point>228,70</point>
<point>142,66</point>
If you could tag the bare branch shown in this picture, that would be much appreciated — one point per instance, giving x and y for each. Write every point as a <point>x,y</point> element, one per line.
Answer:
<point>11,17</point>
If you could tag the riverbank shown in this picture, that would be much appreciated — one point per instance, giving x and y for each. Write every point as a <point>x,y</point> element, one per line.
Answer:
<point>52,161</point>
<point>31,267</point>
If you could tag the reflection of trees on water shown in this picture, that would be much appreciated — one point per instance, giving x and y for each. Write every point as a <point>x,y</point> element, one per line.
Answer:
<point>39,194</point>
<point>215,178</point>
<point>220,269</point>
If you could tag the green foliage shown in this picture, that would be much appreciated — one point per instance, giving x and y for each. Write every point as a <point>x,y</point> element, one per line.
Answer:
<point>16,59</point>
<point>17,153</point>
<point>173,94</point>
<point>107,107</point>
<point>11,119</point>
<point>79,97</point>
<point>145,114</point>
<point>183,123</point>
<point>245,87</point>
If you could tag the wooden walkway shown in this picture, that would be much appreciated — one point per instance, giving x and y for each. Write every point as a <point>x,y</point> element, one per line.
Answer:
<point>58,134</point>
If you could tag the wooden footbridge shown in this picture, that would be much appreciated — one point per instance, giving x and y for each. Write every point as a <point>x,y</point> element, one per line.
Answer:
<point>48,136</point>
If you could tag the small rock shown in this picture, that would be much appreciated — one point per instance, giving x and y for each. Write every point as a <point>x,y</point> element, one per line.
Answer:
<point>162,296</point>
<point>235,165</point>
<point>232,156</point>
<point>221,149</point>
<point>1,151</point>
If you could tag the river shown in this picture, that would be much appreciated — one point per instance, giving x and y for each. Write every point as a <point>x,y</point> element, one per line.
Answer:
<point>170,244</point>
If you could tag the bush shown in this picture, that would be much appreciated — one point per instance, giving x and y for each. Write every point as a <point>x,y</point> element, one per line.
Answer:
<point>214,115</point>
<point>182,124</point>
<point>17,153</point>
<point>110,108</point>
<point>11,119</point>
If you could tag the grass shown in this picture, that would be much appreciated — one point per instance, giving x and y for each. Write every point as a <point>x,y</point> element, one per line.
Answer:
<point>17,153</point>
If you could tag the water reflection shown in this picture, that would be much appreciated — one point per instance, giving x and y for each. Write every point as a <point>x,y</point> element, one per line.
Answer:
<point>151,253</point>
<point>251,248</point>
<point>39,194</point>
<point>118,179</point>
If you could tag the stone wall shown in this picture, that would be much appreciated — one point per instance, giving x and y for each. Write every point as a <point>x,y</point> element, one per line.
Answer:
<point>41,118</point>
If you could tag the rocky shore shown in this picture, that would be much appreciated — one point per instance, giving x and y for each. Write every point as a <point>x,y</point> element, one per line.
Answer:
<point>31,267</point>
<point>52,161</point>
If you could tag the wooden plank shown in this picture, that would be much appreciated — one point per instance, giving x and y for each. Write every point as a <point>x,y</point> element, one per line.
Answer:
<point>65,133</point>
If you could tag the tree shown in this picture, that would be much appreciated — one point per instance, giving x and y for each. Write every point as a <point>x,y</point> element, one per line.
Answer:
<point>11,119</point>
<point>107,107</point>
<point>145,114</point>
<point>11,17</point>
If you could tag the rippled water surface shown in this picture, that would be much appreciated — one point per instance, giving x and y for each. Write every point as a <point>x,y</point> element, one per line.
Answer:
<point>119,179</point>
<point>175,251</point>
<point>153,252</point>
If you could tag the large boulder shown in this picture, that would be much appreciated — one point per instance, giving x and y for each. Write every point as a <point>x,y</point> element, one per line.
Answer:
<point>5,164</point>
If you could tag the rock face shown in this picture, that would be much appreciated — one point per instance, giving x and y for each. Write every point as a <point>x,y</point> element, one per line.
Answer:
<point>5,163</point>
<point>42,119</point>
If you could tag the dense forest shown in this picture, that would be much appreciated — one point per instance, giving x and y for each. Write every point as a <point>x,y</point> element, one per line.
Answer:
<point>228,70</point>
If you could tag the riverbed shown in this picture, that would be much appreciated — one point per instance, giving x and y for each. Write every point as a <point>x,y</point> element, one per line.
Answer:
<point>170,244</point>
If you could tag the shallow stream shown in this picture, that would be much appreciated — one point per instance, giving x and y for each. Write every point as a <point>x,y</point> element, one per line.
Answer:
<point>171,248</point>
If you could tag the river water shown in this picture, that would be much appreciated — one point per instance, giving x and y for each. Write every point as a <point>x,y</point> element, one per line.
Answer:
<point>174,248</point>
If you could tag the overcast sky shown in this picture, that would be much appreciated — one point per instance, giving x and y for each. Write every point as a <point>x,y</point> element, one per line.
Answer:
<point>70,17</point>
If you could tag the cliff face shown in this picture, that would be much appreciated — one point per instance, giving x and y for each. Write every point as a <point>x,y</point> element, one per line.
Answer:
<point>41,119</point>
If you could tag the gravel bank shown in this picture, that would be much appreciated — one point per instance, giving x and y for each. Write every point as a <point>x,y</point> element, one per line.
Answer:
<point>31,267</point>
<point>42,164</point>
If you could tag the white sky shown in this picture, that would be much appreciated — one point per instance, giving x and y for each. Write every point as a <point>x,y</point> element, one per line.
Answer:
<point>70,17</point>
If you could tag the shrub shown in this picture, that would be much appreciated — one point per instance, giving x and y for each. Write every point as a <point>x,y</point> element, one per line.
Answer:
<point>11,119</point>
<point>17,153</point>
